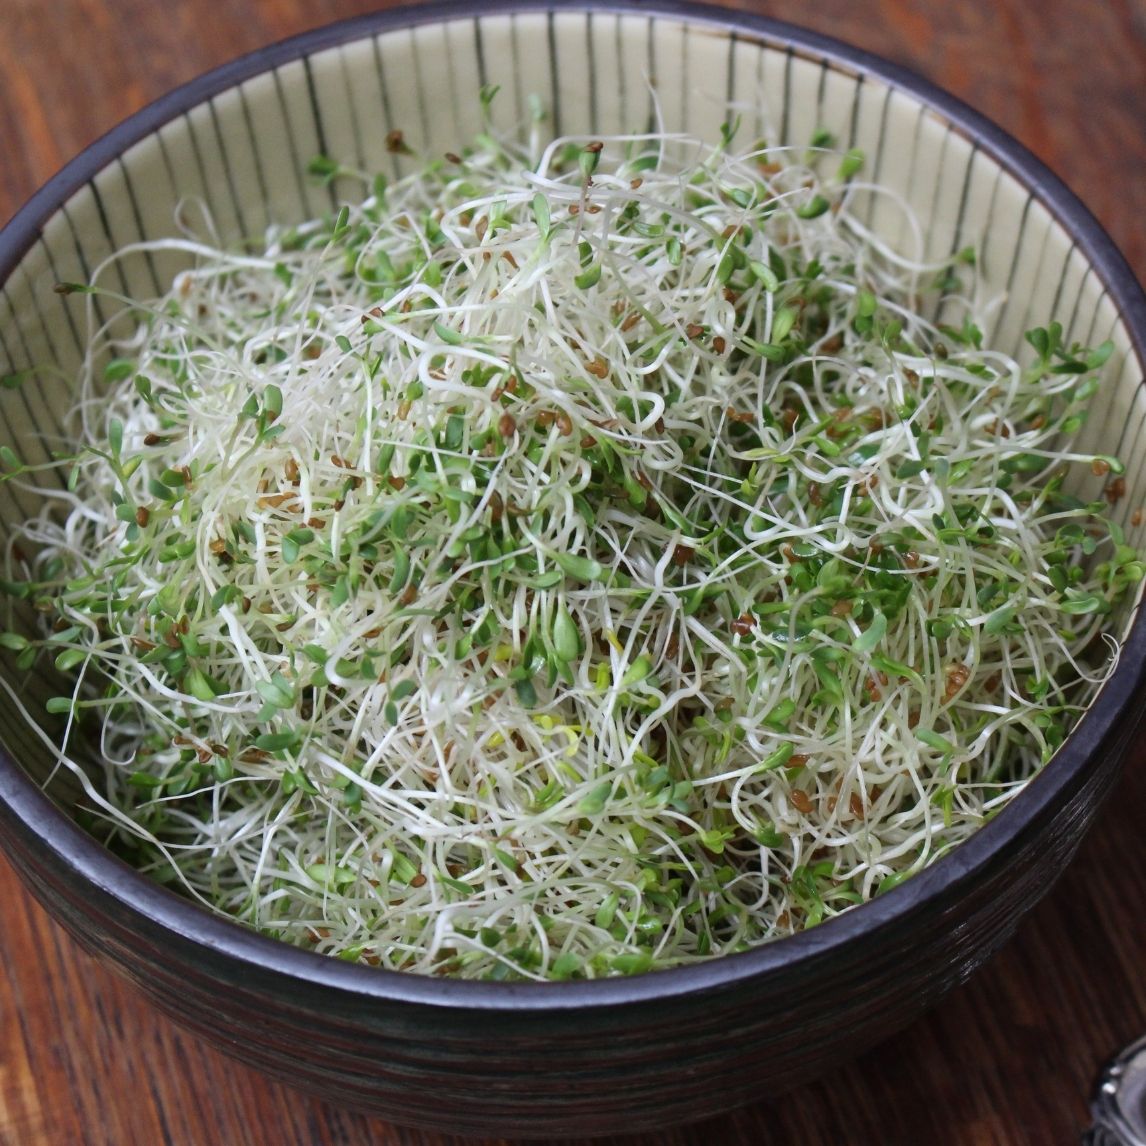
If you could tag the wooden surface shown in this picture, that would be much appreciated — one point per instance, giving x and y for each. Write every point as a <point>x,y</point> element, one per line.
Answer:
<point>1007,1059</point>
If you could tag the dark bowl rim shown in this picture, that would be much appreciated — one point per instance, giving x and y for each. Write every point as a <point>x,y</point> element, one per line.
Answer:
<point>1096,731</point>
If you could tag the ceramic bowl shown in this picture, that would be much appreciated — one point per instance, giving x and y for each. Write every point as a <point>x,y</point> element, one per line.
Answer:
<point>624,1053</point>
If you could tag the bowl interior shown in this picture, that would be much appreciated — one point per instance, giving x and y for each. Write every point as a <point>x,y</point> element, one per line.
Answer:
<point>230,153</point>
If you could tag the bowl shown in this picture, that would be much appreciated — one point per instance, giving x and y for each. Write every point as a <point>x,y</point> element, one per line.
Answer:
<point>620,1053</point>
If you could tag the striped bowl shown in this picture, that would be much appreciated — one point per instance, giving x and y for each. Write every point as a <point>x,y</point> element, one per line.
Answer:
<point>584,1057</point>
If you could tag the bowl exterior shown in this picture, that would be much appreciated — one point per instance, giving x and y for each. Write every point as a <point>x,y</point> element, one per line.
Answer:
<point>520,1068</point>
<point>581,1058</point>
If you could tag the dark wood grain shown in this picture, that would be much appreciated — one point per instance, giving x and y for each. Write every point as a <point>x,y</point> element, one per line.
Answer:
<point>1008,1058</point>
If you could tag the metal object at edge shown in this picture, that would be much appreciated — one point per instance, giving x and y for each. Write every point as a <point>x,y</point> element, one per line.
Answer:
<point>1118,1104</point>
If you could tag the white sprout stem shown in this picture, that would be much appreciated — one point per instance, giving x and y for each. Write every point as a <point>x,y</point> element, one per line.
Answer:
<point>571,567</point>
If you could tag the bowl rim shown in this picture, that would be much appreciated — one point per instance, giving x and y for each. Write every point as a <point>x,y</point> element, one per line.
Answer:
<point>1097,731</point>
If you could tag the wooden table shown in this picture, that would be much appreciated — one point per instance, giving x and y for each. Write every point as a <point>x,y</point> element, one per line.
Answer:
<point>1007,1059</point>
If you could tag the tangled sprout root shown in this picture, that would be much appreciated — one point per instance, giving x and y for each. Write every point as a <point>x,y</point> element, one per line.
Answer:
<point>568,561</point>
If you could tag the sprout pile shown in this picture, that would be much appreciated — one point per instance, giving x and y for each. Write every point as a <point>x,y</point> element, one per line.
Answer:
<point>569,559</point>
